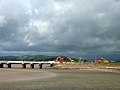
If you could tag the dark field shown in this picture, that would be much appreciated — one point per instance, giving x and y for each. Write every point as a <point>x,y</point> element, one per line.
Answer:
<point>66,80</point>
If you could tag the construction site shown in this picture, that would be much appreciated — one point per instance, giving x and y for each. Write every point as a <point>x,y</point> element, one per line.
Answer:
<point>50,75</point>
<point>59,62</point>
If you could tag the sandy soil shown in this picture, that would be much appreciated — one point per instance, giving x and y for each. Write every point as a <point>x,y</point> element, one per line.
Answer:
<point>22,74</point>
<point>51,79</point>
<point>112,67</point>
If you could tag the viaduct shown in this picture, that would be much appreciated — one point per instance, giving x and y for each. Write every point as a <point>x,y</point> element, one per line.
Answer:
<point>24,63</point>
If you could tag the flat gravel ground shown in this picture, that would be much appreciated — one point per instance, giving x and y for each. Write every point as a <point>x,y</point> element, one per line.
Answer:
<point>67,80</point>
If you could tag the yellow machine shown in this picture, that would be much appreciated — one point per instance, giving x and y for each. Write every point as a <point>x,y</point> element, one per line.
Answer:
<point>71,60</point>
<point>61,59</point>
<point>105,60</point>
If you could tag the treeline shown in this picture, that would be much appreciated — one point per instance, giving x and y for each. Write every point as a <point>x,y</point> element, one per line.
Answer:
<point>27,58</point>
<point>6,58</point>
<point>33,58</point>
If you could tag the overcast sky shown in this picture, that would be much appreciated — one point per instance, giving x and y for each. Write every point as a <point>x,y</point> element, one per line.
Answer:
<point>63,27</point>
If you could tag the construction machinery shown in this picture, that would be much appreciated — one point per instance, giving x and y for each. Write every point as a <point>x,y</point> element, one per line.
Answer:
<point>61,59</point>
<point>104,60</point>
<point>71,60</point>
<point>98,61</point>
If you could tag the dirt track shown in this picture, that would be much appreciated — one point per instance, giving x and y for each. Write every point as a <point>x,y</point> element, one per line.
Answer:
<point>22,74</point>
<point>51,79</point>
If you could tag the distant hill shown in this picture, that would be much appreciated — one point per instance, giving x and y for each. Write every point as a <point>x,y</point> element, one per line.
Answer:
<point>9,58</point>
<point>27,58</point>
<point>32,58</point>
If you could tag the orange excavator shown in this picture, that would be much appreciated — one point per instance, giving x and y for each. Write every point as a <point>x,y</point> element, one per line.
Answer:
<point>60,59</point>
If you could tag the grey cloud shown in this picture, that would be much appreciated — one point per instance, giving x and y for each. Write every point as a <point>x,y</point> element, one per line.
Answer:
<point>61,26</point>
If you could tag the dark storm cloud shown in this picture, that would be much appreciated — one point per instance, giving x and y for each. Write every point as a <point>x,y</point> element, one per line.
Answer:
<point>62,26</point>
